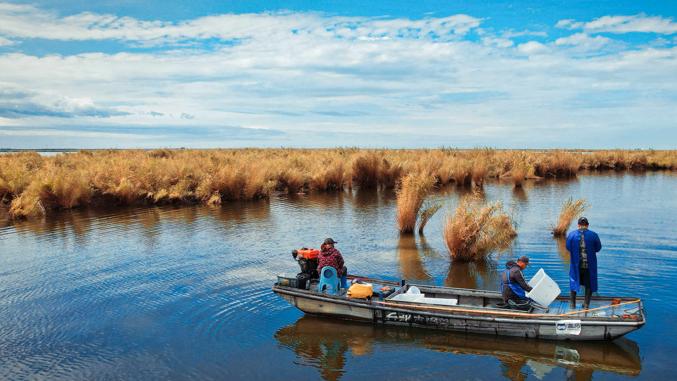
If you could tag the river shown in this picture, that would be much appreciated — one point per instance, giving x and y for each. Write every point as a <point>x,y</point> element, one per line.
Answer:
<point>184,292</point>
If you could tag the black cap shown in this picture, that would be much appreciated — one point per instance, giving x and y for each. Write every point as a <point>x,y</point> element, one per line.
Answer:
<point>329,241</point>
<point>524,259</point>
<point>583,221</point>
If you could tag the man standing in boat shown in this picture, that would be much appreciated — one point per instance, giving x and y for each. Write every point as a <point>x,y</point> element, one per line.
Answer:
<point>330,256</point>
<point>583,245</point>
<point>514,287</point>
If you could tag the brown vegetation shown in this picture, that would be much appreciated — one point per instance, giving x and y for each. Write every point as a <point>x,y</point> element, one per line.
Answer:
<point>426,215</point>
<point>570,210</point>
<point>410,196</point>
<point>31,184</point>
<point>476,229</point>
<point>519,170</point>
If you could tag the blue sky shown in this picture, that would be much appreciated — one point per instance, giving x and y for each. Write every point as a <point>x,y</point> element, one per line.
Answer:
<point>527,74</point>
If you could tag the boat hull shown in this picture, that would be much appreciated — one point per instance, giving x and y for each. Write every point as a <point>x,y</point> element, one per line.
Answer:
<point>387,314</point>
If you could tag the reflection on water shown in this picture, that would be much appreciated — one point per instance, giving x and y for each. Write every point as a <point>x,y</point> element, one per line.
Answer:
<point>409,256</point>
<point>329,344</point>
<point>520,194</point>
<point>562,249</point>
<point>472,275</point>
<point>184,292</point>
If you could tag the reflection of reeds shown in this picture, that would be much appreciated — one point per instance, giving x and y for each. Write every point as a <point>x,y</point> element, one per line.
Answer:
<point>562,250</point>
<point>570,210</point>
<point>410,197</point>
<point>33,184</point>
<point>467,274</point>
<point>475,230</point>
<point>411,265</point>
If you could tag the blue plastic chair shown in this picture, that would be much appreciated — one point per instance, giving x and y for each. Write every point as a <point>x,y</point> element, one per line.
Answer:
<point>329,281</point>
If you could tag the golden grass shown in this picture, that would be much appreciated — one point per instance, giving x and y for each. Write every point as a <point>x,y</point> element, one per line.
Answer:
<point>410,196</point>
<point>426,214</point>
<point>32,185</point>
<point>477,229</point>
<point>479,172</point>
<point>570,210</point>
<point>519,170</point>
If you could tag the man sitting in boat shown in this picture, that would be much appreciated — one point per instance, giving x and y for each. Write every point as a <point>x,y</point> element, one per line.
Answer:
<point>514,287</point>
<point>330,256</point>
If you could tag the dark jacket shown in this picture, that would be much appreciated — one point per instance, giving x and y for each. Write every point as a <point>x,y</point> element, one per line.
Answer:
<point>592,246</point>
<point>516,278</point>
<point>331,257</point>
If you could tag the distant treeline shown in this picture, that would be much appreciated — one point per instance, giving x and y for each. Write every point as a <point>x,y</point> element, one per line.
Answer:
<point>31,184</point>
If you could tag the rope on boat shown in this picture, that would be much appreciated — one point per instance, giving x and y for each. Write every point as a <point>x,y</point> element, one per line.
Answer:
<point>504,313</point>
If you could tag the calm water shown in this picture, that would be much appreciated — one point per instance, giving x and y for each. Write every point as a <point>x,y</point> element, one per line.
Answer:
<point>184,293</point>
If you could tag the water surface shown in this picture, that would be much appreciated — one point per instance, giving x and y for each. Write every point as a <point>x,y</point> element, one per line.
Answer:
<point>184,293</point>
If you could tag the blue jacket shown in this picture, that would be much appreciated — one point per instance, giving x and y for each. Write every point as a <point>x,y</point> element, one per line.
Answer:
<point>592,246</point>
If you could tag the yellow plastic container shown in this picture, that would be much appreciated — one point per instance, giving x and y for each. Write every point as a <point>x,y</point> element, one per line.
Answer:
<point>360,291</point>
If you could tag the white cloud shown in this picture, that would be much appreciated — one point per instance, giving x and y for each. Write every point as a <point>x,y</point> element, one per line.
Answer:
<point>498,42</point>
<point>19,21</point>
<point>583,41</point>
<point>532,47</point>
<point>623,24</point>
<point>18,103</point>
<point>512,34</point>
<point>5,42</point>
<point>355,79</point>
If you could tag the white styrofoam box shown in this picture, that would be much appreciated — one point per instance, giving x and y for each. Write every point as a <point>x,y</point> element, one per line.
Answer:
<point>439,301</point>
<point>544,289</point>
<point>539,275</point>
<point>407,297</point>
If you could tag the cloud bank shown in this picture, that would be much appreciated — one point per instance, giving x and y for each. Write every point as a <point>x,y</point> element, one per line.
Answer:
<point>295,79</point>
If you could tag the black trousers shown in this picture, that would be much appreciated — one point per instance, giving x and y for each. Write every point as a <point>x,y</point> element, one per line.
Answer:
<point>584,275</point>
<point>584,280</point>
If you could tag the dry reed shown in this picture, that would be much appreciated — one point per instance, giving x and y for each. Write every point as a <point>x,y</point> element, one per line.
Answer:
<point>410,196</point>
<point>476,230</point>
<point>32,185</point>
<point>518,174</point>
<point>426,214</point>
<point>570,210</point>
<point>479,172</point>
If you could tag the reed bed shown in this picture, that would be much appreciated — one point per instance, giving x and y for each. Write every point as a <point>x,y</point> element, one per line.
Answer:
<point>31,184</point>
<point>477,229</point>
<point>571,209</point>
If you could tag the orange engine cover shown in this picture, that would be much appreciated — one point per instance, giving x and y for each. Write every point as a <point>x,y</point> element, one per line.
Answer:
<point>308,253</point>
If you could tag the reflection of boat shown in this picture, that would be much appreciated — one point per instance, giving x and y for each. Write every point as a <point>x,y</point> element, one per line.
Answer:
<point>466,310</point>
<point>310,337</point>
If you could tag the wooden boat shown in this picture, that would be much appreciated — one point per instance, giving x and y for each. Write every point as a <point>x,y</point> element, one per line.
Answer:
<point>476,311</point>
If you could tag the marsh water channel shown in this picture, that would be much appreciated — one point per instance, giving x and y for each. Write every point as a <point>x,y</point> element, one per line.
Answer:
<point>184,292</point>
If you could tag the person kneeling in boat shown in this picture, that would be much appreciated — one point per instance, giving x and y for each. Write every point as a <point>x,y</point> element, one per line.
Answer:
<point>514,287</point>
<point>330,256</point>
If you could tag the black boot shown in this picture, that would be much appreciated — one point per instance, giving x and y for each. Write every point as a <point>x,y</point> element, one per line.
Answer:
<point>588,296</point>
<point>572,300</point>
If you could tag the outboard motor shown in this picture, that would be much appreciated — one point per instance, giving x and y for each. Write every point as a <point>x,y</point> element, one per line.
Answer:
<point>307,259</point>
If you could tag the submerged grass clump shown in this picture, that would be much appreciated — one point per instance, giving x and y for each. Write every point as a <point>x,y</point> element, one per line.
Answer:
<point>410,196</point>
<point>426,214</point>
<point>477,229</point>
<point>570,210</point>
<point>31,184</point>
